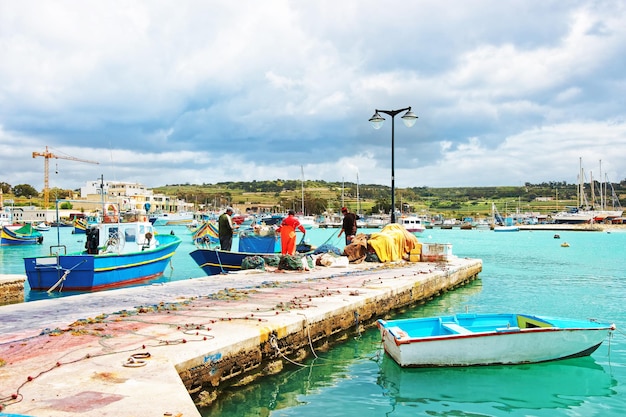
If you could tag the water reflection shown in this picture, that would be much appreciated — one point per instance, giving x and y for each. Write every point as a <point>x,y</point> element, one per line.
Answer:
<point>351,367</point>
<point>333,370</point>
<point>551,385</point>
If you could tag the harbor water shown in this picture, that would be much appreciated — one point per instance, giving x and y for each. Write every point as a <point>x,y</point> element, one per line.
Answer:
<point>522,272</point>
<point>527,271</point>
<point>181,267</point>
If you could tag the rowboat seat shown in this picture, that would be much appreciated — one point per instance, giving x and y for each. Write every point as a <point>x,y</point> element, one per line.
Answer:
<point>507,329</point>
<point>397,332</point>
<point>455,328</point>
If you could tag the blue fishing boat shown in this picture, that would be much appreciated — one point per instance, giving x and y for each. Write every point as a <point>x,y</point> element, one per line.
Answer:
<point>116,254</point>
<point>20,235</point>
<point>214,261</point>
<point>489,339</point>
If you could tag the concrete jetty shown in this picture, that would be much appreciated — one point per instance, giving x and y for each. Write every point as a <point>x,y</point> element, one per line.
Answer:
<point>161,350</point>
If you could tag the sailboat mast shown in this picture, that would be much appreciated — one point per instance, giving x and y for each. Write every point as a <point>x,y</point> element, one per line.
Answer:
<point>602,194</point>
<point>302,171</point>
<point>581,187</point>
<point>343,186</point>
<point>593,193</point>
<point>358,201</point>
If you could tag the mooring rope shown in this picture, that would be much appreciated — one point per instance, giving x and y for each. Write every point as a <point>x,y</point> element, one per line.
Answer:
<point>274,343</point>
<point>65,274</point>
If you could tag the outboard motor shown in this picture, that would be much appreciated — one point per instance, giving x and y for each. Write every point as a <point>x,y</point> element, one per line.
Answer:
<point>93,238</point>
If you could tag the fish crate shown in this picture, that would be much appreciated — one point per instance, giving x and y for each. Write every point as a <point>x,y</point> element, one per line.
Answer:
<point>436,252</point>
<point>415,255</point>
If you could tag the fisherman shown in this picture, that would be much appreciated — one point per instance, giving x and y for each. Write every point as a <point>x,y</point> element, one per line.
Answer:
<point>349,225</point>
<point>287,231</point>
<point>225,224</point>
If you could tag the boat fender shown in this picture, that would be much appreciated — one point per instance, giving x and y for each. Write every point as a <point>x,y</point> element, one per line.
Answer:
<point>146,243</point>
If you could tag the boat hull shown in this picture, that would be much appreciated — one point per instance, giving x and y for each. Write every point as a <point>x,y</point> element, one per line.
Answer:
<point>217,261</point>
<point>85,272</point>
<point>9,237</point>
<point>172,219</point>
<point>505,229</point>
<point>493,339</point>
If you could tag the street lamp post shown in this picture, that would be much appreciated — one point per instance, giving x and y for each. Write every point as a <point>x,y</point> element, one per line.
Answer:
<point>377,120</point>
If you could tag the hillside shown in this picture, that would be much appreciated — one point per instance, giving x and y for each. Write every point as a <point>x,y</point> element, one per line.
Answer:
<point>320,196</point>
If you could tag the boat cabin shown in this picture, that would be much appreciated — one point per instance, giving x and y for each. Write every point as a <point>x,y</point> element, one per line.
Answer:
<point>120,237</point>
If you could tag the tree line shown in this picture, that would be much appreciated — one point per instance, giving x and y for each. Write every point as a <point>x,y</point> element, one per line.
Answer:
<point>321,196</point>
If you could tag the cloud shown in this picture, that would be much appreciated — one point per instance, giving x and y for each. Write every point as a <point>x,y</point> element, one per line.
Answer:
<point>204,92</point>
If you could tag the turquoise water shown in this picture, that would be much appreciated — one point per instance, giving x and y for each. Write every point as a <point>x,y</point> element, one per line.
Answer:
<point>525,272</point>
<point>522,272</point>
<point>181,267</point>
<point>11,257</point>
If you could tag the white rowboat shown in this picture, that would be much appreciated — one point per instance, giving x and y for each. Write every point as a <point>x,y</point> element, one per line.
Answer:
<point>489,339</point>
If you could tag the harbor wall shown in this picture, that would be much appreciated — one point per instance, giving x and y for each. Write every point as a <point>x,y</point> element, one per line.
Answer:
<point>317,318</point>
<point>11,289</point>
<point>183,344</point>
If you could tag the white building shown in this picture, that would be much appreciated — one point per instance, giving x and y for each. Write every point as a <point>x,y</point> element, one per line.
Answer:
<point>132,197</point>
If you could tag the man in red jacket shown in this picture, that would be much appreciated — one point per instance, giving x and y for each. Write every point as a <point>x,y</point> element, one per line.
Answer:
<point>287,231</point>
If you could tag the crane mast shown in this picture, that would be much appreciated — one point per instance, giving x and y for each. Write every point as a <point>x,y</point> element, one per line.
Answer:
<point>46,167</point>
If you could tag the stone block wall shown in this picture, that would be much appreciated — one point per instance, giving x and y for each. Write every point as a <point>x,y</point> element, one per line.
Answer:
<point>11,289</point>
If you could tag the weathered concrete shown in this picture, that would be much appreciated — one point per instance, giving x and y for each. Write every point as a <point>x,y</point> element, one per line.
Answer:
<point>62,357</point>
<point>11,289</point>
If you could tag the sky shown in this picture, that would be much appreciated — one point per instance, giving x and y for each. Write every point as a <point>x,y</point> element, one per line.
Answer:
<point>200,92</point>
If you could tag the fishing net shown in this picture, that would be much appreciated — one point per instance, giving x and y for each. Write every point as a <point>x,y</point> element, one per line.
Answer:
<point>253,262</point>
<point>326,248</point>
<point>371,257</point>
<point>290,263</point>
<point>272,260</point>
<point>303,247</point>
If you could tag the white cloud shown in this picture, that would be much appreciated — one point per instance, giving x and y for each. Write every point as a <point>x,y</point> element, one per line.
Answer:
<point>219,91</point>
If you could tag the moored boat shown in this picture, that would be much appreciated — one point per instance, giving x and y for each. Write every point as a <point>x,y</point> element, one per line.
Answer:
<point>42,227</point>
<point>489,339</point>
<point>412,224</point>
<point>207,233</point>
<point>215,261</point>
<point>20,235</point>
<point>501,224</point>
<point>172,219</point>
<point>81,224</point>
<point>509,228</point>
<point>116,254</point>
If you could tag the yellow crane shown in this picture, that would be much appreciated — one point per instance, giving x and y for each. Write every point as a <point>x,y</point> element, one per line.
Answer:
<point>47,155</point>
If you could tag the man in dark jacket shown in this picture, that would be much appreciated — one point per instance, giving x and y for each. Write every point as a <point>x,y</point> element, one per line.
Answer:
<point>225,224</point>
<point>349,225</point>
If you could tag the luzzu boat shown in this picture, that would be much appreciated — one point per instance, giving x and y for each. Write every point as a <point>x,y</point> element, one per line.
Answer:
<point>81,225</point>
<point>489,339</point>
<point>20,235</point>
<point>117,254</point>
